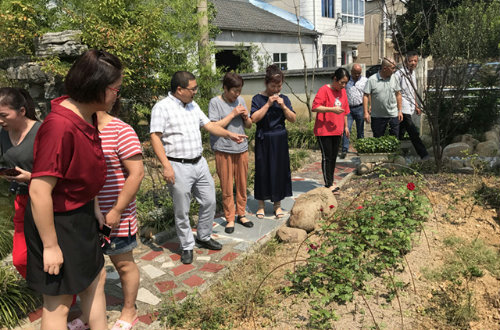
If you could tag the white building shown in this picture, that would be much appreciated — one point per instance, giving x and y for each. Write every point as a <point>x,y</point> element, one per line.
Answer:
<point>272,31</point>
<point>339,22</point>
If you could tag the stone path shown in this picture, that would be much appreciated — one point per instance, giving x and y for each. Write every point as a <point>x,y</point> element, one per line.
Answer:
<point>163,276</point>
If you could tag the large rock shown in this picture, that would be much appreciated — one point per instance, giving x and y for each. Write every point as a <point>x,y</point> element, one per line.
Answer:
<point>291,235</point>
<point>310,207</point>
<point>459,149</point>
<point>30,72</point>
<point>65,44</point>
<point>426,140</point>
<point>489,148</point>
<point>491,136</point>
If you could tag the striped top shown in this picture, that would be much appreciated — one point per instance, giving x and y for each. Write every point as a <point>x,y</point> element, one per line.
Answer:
<point>119,142</point>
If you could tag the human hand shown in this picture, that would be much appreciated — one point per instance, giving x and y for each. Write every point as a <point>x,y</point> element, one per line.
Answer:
<point>238,138</point>
<point>52,259</point>
<point>337,110</point>
<point>273,98</point>
<point>366,116</point>
<point>24,176</point>
<point>280,102</point>
<point>238,110</point>
<point>169,174</point>
<point>100,217</point>
<point>113,218</point>
<point>418,110</point>
<point>347,133</point>
<point>400,116</point>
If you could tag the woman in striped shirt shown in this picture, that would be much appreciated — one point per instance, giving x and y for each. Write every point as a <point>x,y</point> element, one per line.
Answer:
<point>116,205</point>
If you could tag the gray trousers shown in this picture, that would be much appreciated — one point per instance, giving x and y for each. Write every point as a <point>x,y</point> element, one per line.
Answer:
<point>195,179</point>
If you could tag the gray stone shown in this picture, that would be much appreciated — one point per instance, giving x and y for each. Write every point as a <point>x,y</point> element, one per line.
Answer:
<point>30,72</point>
<point>291,235</point>
<point>65,44</point>
<point>365,168</point>
<point>491,136</point>
<point>456,164</point>
<point>465,170</point>
<point>399,160</point>
<point>459,149</point>
<point>147,297</point>
<point>308,208</point>
<point>489,148</point>
<point>469,139</point>
<point>427,140</point>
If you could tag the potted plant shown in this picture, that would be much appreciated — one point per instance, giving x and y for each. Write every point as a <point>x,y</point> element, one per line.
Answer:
<point>371,150</point>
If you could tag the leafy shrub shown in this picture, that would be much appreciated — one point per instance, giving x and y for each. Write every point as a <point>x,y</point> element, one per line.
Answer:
<point>16,299</point>
<point>387,143</point>
<point>367,238</point>
<point>6,214</point>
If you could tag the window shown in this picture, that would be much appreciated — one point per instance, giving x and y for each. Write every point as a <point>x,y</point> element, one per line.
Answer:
<point>327,8</point>
<point>353,11</point>
<point>329,56</point>
<point>280,60</point>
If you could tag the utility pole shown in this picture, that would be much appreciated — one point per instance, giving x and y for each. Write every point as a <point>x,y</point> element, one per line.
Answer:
<point>203,26</point>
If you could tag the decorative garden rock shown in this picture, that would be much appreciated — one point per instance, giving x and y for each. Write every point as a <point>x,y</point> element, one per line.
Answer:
<point>459,149</point>
<point>310,207</point>
<point>291,235</point>
<point>488,148</point>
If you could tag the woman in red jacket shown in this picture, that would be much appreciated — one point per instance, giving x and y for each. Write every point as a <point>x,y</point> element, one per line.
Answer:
<point>331,107</point>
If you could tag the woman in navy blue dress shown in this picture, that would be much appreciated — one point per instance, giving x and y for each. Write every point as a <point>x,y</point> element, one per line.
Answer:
<point>270,109</point>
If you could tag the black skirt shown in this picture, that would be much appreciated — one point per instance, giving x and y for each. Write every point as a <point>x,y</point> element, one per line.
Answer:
<point>79,242</point>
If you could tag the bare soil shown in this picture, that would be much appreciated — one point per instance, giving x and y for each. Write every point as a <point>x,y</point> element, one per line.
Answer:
<point>454,214</point>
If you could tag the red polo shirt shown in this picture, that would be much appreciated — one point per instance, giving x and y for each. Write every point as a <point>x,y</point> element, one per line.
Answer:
<point>69,148</point>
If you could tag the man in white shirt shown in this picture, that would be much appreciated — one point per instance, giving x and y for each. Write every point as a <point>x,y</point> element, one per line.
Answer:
<point>176,140</point>
<point>354,90</point>
<point>408,83</point>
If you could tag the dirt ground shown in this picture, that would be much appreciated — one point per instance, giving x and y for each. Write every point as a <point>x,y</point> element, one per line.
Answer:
<point>454,215</point>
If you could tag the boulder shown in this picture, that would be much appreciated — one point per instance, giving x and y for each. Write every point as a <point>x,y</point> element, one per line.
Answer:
<point>399,160</point>
<point>469,139</point>
<point>426,140</point>
<point>459,149</point>
<point>489,148</point>
<point>455,164</point>
<point>491,136</point>
<point>365,168</point>
<point>65,44</point>
<point>291,235</point>
<point>311,207</point>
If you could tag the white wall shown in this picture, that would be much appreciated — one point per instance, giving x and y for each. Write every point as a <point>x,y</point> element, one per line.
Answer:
<point>272,43</point>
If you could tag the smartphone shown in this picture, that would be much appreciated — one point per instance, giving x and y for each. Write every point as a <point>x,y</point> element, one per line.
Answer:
<point>9,171</point>
<point>106,230</point>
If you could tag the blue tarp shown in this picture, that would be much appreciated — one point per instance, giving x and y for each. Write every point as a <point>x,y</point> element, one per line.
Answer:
<point>283,14</point>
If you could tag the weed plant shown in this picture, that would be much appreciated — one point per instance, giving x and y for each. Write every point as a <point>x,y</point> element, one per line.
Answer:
<point>16,299</point>
<point>368,238</point>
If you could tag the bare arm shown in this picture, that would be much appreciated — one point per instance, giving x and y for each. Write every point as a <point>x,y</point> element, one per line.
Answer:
<point>135,169</point>
<point>346,127</point>
<point>322,108</point>
<point>168,171</point>
<point>215,129</point>
<point>239,110</point>
<point>43,215</point>
<point>399,103</point>
<point>366,104</point>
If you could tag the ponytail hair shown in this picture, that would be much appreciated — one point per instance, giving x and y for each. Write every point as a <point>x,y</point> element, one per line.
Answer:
<point>17,98</point>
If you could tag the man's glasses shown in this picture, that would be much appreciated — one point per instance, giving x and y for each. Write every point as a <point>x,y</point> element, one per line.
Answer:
<point>192,89</point>
<point>117,91</point>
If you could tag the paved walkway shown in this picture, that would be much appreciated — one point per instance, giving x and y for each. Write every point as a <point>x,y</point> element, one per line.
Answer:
<point>163,276</point>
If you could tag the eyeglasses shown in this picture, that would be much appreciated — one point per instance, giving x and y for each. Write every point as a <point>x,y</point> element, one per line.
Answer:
<point>117,91</point>
<point>192,89</point>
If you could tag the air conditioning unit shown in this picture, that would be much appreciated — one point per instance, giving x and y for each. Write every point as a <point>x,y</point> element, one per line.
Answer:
<point>355,53</point>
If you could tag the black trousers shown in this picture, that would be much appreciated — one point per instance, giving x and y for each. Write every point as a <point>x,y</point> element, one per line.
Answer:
<point>329,146</point>
<point>379,124</point>
<point>408,126</point>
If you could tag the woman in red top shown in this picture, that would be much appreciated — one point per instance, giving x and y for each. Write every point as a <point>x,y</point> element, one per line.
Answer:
<point>332,108</point>
<point>64,251</point>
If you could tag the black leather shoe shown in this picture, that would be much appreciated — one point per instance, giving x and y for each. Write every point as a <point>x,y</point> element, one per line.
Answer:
<point>211,244</point>
<point>248,223</point>
<point>187,256</point>
<point>229,230</point>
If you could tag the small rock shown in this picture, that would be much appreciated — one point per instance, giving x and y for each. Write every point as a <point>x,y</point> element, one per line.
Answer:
<point>291,235</point>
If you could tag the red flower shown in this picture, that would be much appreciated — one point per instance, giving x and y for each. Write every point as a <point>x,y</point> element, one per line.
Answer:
<point>313,247</point>
<point>332,206</point>
<point>372,218</point>
<point>410,186</point>
<point>321,209</point>
<point>359,207</point>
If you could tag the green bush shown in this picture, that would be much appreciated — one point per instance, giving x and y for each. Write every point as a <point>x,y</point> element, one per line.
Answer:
<point>301,135</point>
<point>16,299</point>
<point>387,143</point>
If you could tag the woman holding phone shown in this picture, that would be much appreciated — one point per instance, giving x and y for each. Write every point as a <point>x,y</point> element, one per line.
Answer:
<point>17,136</point>
<point>331,107</point>
<point>229,111</point>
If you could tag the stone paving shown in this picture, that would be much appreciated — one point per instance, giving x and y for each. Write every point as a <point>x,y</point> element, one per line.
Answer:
<point>163,276</point>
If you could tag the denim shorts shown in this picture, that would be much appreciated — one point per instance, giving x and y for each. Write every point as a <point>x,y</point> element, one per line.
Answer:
<point>120,245</point>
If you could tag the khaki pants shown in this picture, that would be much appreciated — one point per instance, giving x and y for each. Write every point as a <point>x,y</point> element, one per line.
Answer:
<point>231,166</point>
